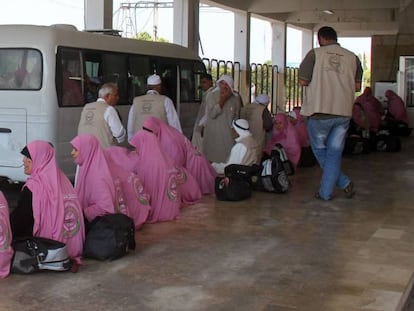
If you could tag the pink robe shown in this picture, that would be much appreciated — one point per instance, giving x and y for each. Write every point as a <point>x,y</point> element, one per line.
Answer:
<point>133,201</point>
<point>396,107</point>
<point>158,175</point>
<point>301,129</point>
<point>6,251</point>
<point>173,144</point>
<point>56,209</point>
<point>94,183</point>
<point>287,137</point>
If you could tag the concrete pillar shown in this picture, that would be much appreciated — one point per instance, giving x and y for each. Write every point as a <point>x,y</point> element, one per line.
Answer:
<point>98,14</point>
<point>186,23</point>
<point>307,42</point>
<point>242,52</point>
<point>279,30</point>
<point>279,45</point>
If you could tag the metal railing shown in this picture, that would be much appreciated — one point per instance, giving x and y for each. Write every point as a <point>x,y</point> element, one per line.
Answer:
<point>264,79</point>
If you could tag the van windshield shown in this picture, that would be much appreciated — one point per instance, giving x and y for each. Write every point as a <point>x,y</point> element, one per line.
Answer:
<point>20,69</point>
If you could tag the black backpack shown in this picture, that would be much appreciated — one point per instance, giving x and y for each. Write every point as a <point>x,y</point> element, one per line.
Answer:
<point>279,151</point>
<point>33,254</point>
<point>109,237</point>
<point>273,176</point>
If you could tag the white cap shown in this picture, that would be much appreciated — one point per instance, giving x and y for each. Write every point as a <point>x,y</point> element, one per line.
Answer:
<point>262,99</point>
<point>154,80</point>
<point>292,114</point>
<point>229,81</point>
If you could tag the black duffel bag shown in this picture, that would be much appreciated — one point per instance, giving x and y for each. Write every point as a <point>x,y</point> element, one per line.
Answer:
<point>109,237</point>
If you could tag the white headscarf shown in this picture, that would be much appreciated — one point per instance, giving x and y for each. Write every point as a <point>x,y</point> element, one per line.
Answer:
<point>241,126</point>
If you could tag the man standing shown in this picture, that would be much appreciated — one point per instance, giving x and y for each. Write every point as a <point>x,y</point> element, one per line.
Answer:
<point>331,75</point>
<point>222,107</point>
<point>206,84</point>
<point>152,104</point>
<point>101,119</point>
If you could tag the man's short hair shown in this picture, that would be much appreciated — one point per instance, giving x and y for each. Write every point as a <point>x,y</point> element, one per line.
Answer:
<point>328,33</point>
<point>206,76</point>
<point>107,88</point>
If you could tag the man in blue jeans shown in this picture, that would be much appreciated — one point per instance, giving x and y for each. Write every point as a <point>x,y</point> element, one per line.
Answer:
<point>331,76</point>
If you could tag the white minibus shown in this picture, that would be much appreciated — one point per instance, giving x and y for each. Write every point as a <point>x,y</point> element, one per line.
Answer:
<point>48,73</point>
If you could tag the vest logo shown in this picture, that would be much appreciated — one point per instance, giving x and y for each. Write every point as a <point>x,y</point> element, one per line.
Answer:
<point>89,116</point>
<point>147,107</point>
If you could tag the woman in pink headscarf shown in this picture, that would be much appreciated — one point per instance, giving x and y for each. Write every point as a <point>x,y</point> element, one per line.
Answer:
<point>299,124</point>
<point>94,182</point>
<point>307,158</point>
<point>173,143</point>
<point>133,199</point>
<point>158,175</point>
<point>372,108</point>
<point>6,251</point>
<point>49,206</point>
<point>285,134</point>
<point>396,107</point>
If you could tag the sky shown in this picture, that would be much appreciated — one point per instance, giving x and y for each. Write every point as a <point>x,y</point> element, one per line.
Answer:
<point>216,37</point>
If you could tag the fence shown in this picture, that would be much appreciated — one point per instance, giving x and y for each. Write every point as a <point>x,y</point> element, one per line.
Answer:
<point>263,79</point>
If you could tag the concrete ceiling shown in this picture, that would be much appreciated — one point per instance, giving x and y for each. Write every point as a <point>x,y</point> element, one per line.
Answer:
<point>349,17</point>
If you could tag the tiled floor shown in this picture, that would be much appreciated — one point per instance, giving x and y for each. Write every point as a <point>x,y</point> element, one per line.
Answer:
<point>271,252</point>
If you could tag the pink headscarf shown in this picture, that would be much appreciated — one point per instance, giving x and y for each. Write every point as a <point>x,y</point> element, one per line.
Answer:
<point>396,107</point>
<point>56,210</point>
<point>6,251</point>
<point>94,183</point>
<point>172,142</point>
<point>158,175</point>
<point>301,129</point>
<point>170,139</point>
<point>287,137</point>
<point>133,200</point>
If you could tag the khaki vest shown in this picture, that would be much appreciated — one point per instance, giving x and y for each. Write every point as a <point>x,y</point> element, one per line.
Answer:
<point>332,88</point>
<point>92,122</point>
<point>251,154</point>
<point>254,114</point>
<point>148,105</point>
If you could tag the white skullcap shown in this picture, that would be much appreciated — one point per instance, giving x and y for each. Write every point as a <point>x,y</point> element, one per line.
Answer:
<point>292,114</point>
<point>262,99</point>
<point>154,80</point>
<point>229,81</point>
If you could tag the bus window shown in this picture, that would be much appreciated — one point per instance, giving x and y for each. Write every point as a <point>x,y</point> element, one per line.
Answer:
<point>187,90</point>
<point>139,70</point>
<point>20,69</point>
<point>115,70</point>
<point>93,75</point>
<point>70,75</point>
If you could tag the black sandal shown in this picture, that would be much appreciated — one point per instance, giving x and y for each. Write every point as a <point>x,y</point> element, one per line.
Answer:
<point>349,190</point>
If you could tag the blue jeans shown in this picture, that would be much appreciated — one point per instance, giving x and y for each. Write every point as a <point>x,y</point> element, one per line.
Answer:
<point>327,138</point>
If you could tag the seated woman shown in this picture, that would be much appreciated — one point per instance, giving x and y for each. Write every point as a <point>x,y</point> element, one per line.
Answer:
<point>158,175</point>
<point>372,108</point>
<point>184,154</point>
<point>130,191</point>
<point>396,108</point>
<point>6,251</point>
<point>48,206</point>
<point>307,158</point>
<point>285,134</point>
<point>94,183</point>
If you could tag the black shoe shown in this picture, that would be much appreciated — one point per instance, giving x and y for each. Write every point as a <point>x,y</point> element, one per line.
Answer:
<point>349,190</point>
